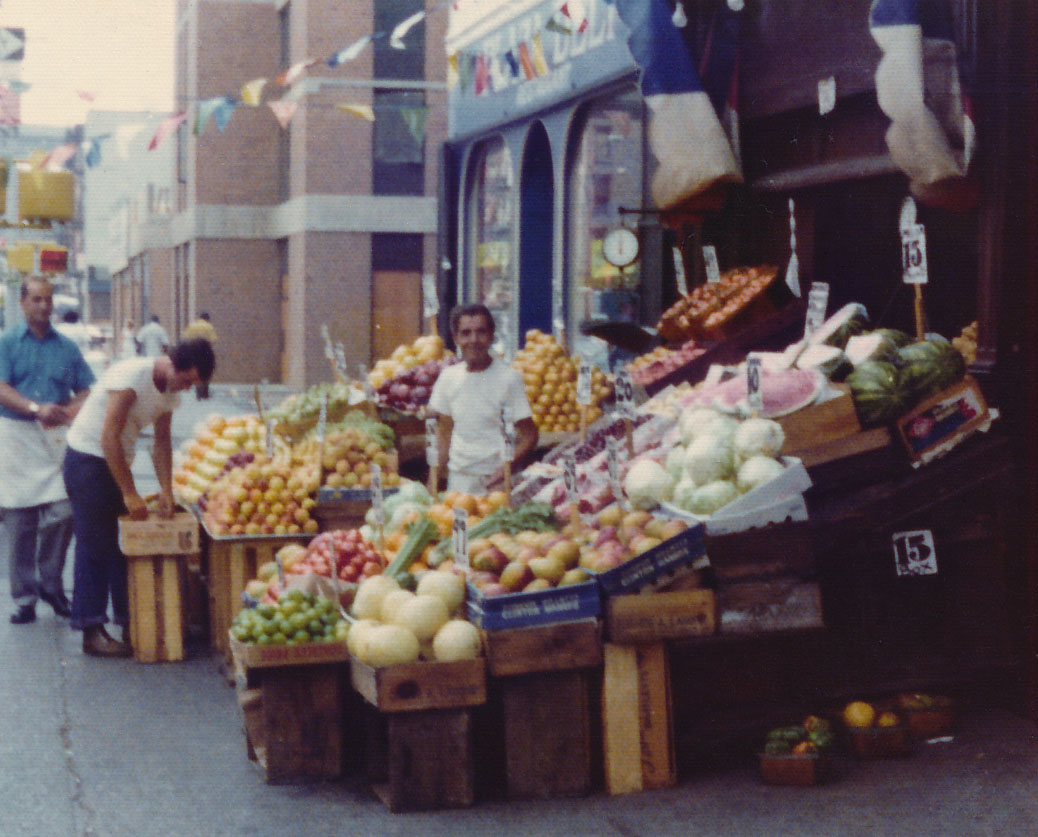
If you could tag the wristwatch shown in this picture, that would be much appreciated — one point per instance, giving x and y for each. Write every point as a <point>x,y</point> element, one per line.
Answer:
<point>34,408</point>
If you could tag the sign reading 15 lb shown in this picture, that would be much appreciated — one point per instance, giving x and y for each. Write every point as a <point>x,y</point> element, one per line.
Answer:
<point>914,553</point>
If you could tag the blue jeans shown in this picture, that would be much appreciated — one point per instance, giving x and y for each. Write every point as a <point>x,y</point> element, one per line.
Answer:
<point>99,568</point>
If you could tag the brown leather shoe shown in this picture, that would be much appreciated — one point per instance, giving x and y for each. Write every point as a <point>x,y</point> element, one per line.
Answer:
<point>97,643</point>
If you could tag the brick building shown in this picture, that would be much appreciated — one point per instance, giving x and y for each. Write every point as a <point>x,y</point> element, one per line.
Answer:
<point>331,221</point>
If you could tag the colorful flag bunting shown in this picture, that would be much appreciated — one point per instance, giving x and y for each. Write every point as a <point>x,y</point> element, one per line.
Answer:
<point>415,118</point>
<point>86,95</point>
<point>466,66</point>
<point>17,85</point>
<point>284,111</point>
<point>452,69</point>
<point>349,53</point>
<point>363,111</point>
<point>512,60</point>
<point>252,92</point>
<point>286,78</point>
<point>166,127</point>
<point>539,61</point>
<point>526,61</point>
<point>57,157</point>
<point>396,39</point>
<point>207,108</point>
<point>482,75</point>
<point>92,153</point>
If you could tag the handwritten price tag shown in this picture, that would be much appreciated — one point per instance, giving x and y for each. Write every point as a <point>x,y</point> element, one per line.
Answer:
<point>817,305</point>
<point>913,255</point>
<point>270,438</point>
<point>508,434</point>
<point>584,383</point>
<point>753,383</point>
<point>569,477</point>
<point>624,394</point>
<point>460,538</point>
<point>713,270</point>
<point>322,419</point>
<point>432,449</point>
<point>679,272</point>
<point>613,460</point>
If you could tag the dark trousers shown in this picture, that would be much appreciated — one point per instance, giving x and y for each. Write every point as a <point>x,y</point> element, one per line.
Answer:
<point>99,568</point>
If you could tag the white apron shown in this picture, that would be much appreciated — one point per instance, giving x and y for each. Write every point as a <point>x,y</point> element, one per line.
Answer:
<point>30,464</point>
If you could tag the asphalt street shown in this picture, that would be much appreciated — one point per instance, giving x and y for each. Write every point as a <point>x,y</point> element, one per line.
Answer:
<point>113,747</point>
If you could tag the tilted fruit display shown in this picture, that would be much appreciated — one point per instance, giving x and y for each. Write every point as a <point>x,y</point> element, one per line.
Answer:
<point>712,306</point>
<point>265,497</point>
<point>202,459</point>
<point>550,377</point>
<point>661,361</point>
<point>407,357</point>
<point>350,448</point>
<point>296,617</point>
<point>298,414</point>
<point>410,390</point>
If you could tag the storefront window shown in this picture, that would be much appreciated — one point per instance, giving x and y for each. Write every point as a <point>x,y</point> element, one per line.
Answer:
<point>606,174</point>
<point>493,263</point>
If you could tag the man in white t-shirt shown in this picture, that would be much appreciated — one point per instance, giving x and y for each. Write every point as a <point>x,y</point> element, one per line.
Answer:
<point>153,338</point>
<point>131,395</point>
<point>469,399</point>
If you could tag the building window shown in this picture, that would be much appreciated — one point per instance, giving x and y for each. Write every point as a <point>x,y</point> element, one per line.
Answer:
<point>398,135</point>
<point>605,174</point>
<point>491,252</point>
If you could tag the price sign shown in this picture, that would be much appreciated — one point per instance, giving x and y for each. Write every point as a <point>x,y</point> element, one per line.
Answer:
<point>913,255</point>
<point>584,383</point>
<point>508,435</point>
<point>460,538</point>
<point>679,271</point>
<point>713,271</point>
<point>817,305</point>
<point>377,507</point>
<point>432,449</point>
<point>270,438</point>
<point>753,383</point>
<point>827,95</point>
<point>322,419</point>
<point>914,553</point>
<point>624,394</point>
<point>281,571</point>
<point>340,359</point>
<point>430,299</point>
<point>569,477</point>
<point>613,460</point>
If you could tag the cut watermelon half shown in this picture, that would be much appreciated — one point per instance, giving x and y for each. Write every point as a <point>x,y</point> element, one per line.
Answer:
<point>782,392</point>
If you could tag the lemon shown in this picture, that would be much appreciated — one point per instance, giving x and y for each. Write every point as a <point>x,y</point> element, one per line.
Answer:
<point>858,713</point>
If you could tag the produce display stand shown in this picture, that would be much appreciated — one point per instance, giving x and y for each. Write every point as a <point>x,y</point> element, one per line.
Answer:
<point>292,698</point>
<point>420,749</point>
<point>156,553</point>
<point>229,563</point>
<point>543,678</point>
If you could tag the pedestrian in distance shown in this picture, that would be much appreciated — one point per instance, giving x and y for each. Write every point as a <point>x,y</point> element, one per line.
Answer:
<point>152,338</point>
<point>102,441</point>
<point>44,381</point>
<point>202,327</point>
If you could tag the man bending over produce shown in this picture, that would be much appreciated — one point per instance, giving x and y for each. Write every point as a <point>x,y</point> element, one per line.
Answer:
<point>469,399</point>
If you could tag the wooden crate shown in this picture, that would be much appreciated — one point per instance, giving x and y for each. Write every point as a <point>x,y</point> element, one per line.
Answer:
<point>230,563</point>
<point>426,760</point>
<point>423,685</point>
<point>157,591</point>
<point>637,722</point>
<point>293,720</point>
<point>650,617</point>
<point>178,535</point>
<point>544,675</point>
<point>560,647</point>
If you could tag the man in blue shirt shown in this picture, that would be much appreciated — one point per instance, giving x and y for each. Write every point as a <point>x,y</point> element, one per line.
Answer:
<point>43,382</point>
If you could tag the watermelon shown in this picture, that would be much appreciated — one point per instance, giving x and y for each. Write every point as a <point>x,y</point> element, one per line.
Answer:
<point>895,336</point>
<point>852,319</point>
<point>876,388</point>
<point>928,367</point>
<point>872,346</point>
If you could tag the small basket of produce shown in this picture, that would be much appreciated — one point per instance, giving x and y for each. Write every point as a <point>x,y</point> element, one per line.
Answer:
<point>875,732</point>
<point>799,755</point>
<point>928,716</point>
